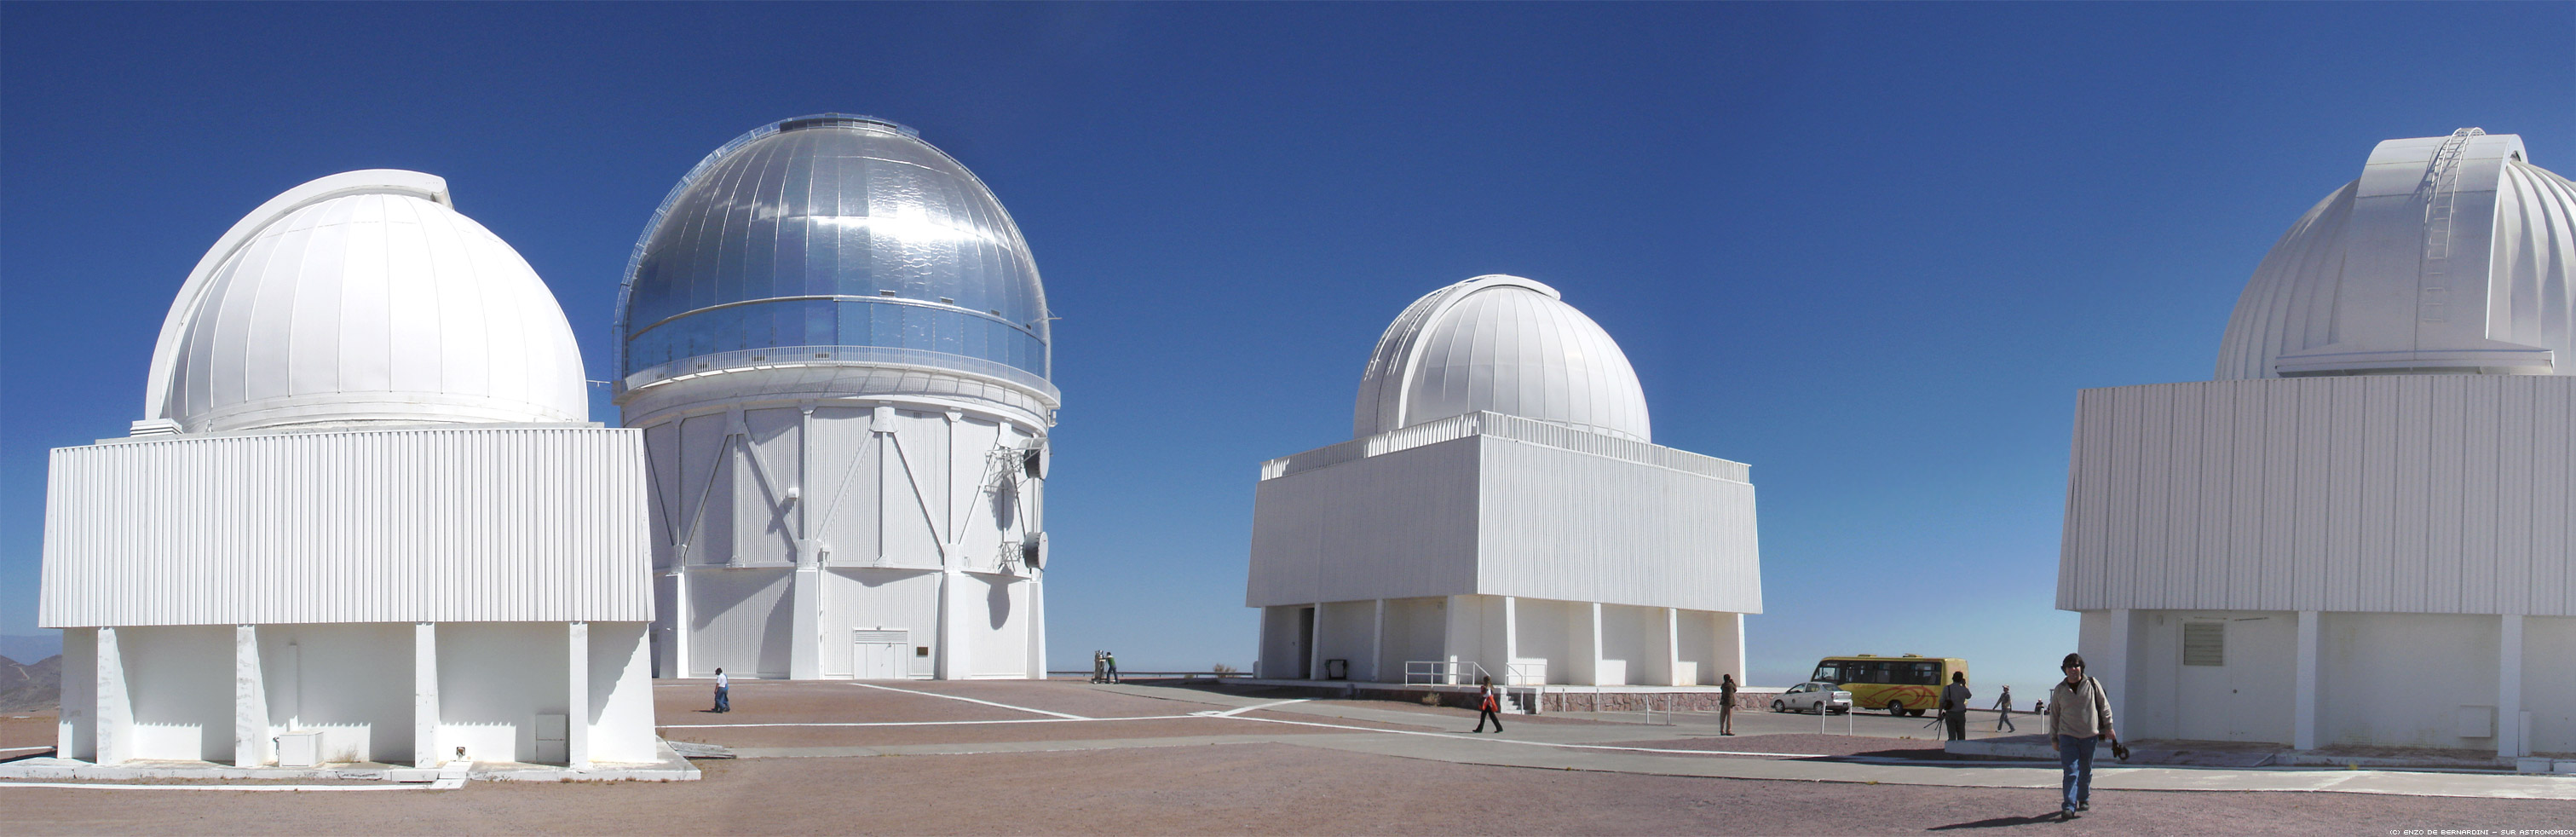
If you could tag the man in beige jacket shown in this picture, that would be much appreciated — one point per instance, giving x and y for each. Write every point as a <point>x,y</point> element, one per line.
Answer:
<point>2079,719</point>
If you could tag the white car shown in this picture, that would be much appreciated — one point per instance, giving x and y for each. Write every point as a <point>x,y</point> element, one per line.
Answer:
<point>1813,696</point>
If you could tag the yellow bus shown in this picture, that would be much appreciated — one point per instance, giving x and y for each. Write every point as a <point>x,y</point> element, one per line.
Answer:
<point>1905,685</point>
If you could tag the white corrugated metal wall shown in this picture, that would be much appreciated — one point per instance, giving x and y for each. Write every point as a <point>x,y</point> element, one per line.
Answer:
<point>410,525</point>
<point>2419,493</point>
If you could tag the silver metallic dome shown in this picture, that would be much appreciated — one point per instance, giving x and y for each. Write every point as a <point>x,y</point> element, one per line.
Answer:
<point>832,239</point>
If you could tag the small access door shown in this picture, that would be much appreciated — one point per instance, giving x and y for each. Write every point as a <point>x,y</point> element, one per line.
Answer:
<point>877,654</point>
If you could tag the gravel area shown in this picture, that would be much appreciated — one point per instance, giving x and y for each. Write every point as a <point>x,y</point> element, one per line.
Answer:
<point>1226,789</point>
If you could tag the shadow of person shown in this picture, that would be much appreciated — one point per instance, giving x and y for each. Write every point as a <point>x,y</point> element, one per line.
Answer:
<point>1998,822</point>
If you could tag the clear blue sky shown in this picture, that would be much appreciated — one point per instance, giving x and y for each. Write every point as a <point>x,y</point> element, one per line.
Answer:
<point>1873,250</point>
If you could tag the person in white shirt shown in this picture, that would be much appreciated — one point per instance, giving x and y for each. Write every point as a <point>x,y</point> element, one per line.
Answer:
<point>723,685</point>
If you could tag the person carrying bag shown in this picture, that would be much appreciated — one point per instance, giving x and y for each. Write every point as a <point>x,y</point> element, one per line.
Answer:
<point>2079,720</point>
<point>1487,707</point>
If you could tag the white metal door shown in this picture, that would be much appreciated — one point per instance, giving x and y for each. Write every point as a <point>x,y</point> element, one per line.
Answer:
<point>2203,686</point>
<point>878,654</point>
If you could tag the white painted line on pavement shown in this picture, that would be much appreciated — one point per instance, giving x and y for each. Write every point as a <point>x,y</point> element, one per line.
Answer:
<point>972,700</point>
<point>24,749</point>
<point>1229,713</point>
<point>930,723</point>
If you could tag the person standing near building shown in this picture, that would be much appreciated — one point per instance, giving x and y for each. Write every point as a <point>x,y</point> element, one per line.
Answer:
<point>1726,704</point>
<point>1112,658</point>
<point>1954,705</point>
<point>1487,707</point>
<point>2079,719</point>
<point>723,685</point>
<point>2003,712</point>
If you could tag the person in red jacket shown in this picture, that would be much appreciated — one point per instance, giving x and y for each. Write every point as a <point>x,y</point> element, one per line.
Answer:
<point>1487,707</point>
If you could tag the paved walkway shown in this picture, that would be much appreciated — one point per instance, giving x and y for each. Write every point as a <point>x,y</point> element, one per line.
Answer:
<point>1582,747</point>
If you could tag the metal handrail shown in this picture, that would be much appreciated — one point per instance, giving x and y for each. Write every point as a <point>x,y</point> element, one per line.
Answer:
<point>1450,673</point>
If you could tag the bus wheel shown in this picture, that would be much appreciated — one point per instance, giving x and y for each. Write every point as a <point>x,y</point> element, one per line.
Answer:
<point>1895,708</point>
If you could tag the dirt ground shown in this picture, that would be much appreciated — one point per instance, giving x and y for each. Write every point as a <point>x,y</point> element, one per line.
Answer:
<point>1205,788</point>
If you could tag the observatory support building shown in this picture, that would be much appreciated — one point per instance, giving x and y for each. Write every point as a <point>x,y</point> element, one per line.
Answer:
<point>1502,511</point>
<point>836,345</point>
<point>2364,531</point>
<point>366,518</point>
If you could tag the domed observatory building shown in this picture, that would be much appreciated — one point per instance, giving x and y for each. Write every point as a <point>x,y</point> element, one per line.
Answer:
<point>2361,533</point>
<point>365,517</point>
<point>1502,510</point>
<point>837,347</point>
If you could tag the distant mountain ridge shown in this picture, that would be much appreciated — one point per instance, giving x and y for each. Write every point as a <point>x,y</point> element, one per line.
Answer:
<point>31,647</point>
<point>25,686</point>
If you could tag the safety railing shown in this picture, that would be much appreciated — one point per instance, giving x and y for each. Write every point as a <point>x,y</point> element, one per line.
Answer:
<point>1518,696</point>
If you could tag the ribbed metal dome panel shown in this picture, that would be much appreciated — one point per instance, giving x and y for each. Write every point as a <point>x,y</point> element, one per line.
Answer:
<point>2450,254</point>
<point>1502,344</point>
<point>835,236</point>
<point>371,306</point>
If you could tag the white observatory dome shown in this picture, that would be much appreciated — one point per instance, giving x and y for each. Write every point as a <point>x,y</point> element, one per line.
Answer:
<point>363,297</point>
<point>2449,254</point>
<point>1502,344</point>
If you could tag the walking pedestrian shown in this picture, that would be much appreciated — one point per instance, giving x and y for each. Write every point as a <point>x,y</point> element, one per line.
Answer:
<point>1954,705</point>
<point>1726,704</point>
<point>2079,719</point>
<point>723,685</point>
<point>1487,707</point>
<point>1112,658</point>
<point>2003,712</point>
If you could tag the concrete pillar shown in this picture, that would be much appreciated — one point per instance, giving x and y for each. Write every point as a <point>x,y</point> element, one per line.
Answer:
<point>1037,629</point>
<point>1733,638</point>
<point>955,659</point>
<point>1587,640</point>
<point>425,749</point>
<point>805,653</point>
<point>75,726</point>
<point>1460,622</point>
<point>1511,638</point>
<point>250,700</point>
<point>1377,644</point>
<point>2303,713</point>
<point>2509,743</point>
<point>676,644</point>
<point>1673,647</point>
<point>577,717</point>
<point>115,714</point>
<point>805,631</point>
<point>1315,646</point>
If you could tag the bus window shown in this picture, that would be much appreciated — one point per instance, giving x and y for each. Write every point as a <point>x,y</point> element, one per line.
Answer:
<point>1829,671</point>
<point>1925,674</point>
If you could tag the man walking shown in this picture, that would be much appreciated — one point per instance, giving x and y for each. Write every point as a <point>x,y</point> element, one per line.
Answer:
<point>2003,712</point>
<point>1954,705</point>
<point>2079,718</point>
<point>723,685</point>
<point>1725,706</point>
